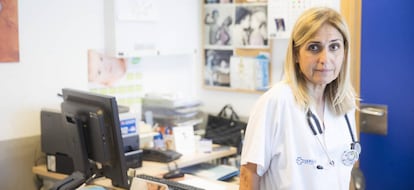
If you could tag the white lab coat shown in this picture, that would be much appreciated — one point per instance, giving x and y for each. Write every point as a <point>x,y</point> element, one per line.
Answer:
<point>279,140</point>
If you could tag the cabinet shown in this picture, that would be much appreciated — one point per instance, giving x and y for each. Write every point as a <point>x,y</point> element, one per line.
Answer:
<point>138,28</point>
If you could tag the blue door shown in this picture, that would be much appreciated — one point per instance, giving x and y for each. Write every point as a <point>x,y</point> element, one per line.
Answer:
<point>387,77</point>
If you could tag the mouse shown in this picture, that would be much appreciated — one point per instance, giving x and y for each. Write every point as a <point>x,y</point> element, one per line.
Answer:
<point>173,174</point>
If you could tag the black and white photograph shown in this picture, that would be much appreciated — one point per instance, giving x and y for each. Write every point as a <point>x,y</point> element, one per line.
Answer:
<point>219,23</point>
<point>250,29</point>
<point>217,67</point>
<point>217,1</point>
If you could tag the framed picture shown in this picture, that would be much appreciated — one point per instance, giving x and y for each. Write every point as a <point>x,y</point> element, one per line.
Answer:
<point>217,67</point>
<point>217,1</point>
<point>235,35</point>
<point>218,25</point>
<point>250,29</point>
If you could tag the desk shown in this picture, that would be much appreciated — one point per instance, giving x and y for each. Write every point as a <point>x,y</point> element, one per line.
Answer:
<point>157,169</point>
<point>188,160</point>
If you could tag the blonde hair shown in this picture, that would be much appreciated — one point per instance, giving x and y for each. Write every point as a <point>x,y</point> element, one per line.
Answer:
<point>339,94</point>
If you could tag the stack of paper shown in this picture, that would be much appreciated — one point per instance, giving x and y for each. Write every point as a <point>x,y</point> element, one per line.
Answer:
<point>171,110</point>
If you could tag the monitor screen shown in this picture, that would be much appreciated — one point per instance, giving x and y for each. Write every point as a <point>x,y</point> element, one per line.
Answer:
<point>94,135</point>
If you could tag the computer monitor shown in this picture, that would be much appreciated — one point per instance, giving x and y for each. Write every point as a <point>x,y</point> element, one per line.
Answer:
<point>94,137</point>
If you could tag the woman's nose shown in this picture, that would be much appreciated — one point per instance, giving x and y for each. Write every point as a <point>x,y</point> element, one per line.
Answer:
<point>323,56</point>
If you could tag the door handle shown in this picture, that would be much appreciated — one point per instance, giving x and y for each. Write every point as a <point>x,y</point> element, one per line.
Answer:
<point>372,111</point>
<point>373,118</point>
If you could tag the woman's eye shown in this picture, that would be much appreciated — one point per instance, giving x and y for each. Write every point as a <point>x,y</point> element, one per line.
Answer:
<point>313,47</point>
<point>334,46</point>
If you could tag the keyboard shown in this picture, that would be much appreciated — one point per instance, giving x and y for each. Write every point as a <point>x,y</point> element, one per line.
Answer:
<point>172,185</point>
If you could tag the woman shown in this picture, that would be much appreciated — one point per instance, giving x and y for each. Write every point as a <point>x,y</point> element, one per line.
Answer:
<point>300,132</point>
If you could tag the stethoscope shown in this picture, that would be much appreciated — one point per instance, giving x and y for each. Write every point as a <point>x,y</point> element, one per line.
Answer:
<point>350,156</point>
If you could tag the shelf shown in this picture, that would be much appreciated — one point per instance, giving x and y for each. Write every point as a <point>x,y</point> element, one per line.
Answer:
<point>154,52</point>
<point>228,89</point>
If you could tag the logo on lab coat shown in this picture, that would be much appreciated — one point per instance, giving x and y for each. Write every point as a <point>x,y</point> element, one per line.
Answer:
<point>300,161</point>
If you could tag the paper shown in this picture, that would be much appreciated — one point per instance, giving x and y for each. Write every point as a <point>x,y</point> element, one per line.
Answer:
<point>203,184</point>
<point>242,71</point>
<point>249,73</point>
<point>184,140</point>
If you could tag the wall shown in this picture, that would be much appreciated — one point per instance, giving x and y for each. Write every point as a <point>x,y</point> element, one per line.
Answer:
<point>17,159</point>
<point>54,37</point>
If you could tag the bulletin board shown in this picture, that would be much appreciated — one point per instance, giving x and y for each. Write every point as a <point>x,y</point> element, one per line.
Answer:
<point>238,36</point>
<point>236,48</point>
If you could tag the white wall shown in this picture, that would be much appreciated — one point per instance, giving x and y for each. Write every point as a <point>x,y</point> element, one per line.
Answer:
<point>54,38</point>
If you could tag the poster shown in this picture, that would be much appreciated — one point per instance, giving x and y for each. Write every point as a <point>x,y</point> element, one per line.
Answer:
<point>9,31</point>
<point>119,77</point>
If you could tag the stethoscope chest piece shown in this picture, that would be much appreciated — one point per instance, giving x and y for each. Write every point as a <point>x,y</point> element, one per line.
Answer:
<point>349,157</point>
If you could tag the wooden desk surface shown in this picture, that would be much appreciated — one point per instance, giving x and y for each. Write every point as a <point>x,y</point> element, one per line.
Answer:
<point>187,160</point>
<point>157,169</point>
<point>188,179</point>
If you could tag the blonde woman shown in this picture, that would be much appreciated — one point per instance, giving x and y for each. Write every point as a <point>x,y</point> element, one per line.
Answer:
<point>301,133</point>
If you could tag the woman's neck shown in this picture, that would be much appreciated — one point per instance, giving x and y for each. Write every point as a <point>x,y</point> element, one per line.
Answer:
<point>316,93</point>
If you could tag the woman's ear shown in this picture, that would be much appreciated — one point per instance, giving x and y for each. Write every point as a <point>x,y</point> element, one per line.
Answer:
<point>296,57</point>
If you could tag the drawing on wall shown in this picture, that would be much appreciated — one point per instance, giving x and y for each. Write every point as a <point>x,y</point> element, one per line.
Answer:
<point>217,67</point>
<point>218,21</point>
<point>9,31</point>
<point>250,28</point>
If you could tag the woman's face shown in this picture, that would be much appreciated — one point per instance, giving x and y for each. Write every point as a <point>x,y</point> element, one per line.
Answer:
<point>321,57</point>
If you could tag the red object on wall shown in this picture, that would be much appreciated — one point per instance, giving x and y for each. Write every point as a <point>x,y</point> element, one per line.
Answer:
<point>9,31</point>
